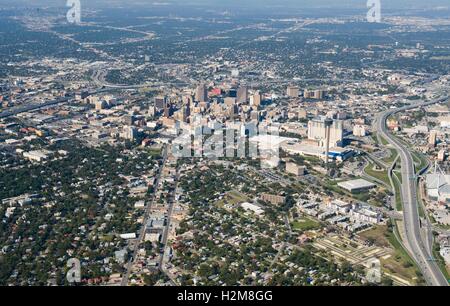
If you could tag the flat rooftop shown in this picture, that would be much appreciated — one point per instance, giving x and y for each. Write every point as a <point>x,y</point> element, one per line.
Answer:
<point>357,184</point>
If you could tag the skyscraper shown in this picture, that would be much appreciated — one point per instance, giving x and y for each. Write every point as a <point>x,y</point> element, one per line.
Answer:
<point>255,99</point>
<point>242,94</point>
<point>293,91</point>
<point>432,140</point>
<point>317,130</point>
<point>201,94</point>
<point>160,103</point>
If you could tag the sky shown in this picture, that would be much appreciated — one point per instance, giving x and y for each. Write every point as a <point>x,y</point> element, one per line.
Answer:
<point>341,4</point>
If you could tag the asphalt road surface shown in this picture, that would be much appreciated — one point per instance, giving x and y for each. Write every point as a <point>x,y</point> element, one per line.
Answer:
<point>429,268</point>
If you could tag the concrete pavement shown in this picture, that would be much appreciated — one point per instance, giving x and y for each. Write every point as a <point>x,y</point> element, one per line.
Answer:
<point>429,268</point>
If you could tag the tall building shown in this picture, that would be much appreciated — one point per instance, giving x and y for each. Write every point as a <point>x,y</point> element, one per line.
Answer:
<point>255,99</point>
<point>229,102</point>
<point>293,91</point>
<point>432,140</point>
<point>160,103</point>
<point>317,131</point>
<point>359,130</point>
<point>201,93</point>
<point>314,94</point>
<point>242,94</point>
<point>130,133</point>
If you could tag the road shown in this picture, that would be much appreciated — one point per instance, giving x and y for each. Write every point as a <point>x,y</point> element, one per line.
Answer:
<point>33,107</point>
<point>165,237</point>
<point>144,224</point>
<point>429,268</point>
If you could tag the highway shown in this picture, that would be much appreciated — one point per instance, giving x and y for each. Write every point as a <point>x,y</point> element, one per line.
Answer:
<point>429,268</point>
<point>33,107</point>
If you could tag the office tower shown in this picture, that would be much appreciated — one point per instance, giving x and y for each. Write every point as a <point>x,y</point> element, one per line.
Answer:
<point>242,94</point>
<point>100,105</point>
<point>319,94</point>
<point>232,93</point>
<point>160,103</point>
<point>255,99</point>
<point>317,130</point>
<point>432,140</point>
<point>168,111</point>
<point>441,155</point>
<point>254,115</point>
<point>130,133</point>
<point>293,91</point>
<point>201,94</point>
<point>229,102</point>
<point>359,130</point>
<point>129,120</point>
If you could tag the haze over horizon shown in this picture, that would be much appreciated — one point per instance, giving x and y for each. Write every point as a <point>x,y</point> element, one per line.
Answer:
<point>307,4</point>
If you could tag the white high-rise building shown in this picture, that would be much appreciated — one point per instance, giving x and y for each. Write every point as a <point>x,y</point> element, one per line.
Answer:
<point>317,131</point>
<point>359,130</point>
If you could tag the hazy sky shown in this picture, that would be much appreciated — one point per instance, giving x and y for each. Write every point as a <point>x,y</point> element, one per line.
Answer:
<point>397,4</point>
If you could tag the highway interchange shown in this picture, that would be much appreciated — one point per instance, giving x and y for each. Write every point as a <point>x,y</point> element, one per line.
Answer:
<point>412,223</point>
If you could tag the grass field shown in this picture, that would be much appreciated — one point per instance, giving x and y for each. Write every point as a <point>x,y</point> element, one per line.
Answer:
<point>233,197</point>
<point>399,263</point>
<point>380,175</point>
<point>384,142</point>
<point>398,196</point>
<point>389,160</point>
<point>305,224</point>
<point>378,235</point>
<point>420,161</point>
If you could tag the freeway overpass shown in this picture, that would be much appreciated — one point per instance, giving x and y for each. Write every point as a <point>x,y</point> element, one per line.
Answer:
<point>429,268</point>
<point>33,107</point>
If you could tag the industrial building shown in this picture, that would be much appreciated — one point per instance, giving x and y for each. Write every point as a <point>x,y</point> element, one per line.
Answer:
<point>356,186</point>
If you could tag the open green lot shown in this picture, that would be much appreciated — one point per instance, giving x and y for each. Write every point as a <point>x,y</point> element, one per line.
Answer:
<point>305,224</point>
<point>381,175</point>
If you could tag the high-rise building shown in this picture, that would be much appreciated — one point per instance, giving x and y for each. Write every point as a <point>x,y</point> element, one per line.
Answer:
<point>432,140</point>
<point>317,131</point>
<point>359,130</point>
<point>130,133</point>
<point>230,101</point>
<point>242,94</point>
<point>293,91</point>
<point>314,94</point>
<point>441,155</point>
<point>160,103</point>
<point>255,99</point>
<point>201,94</point>
<point>232,93</point>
